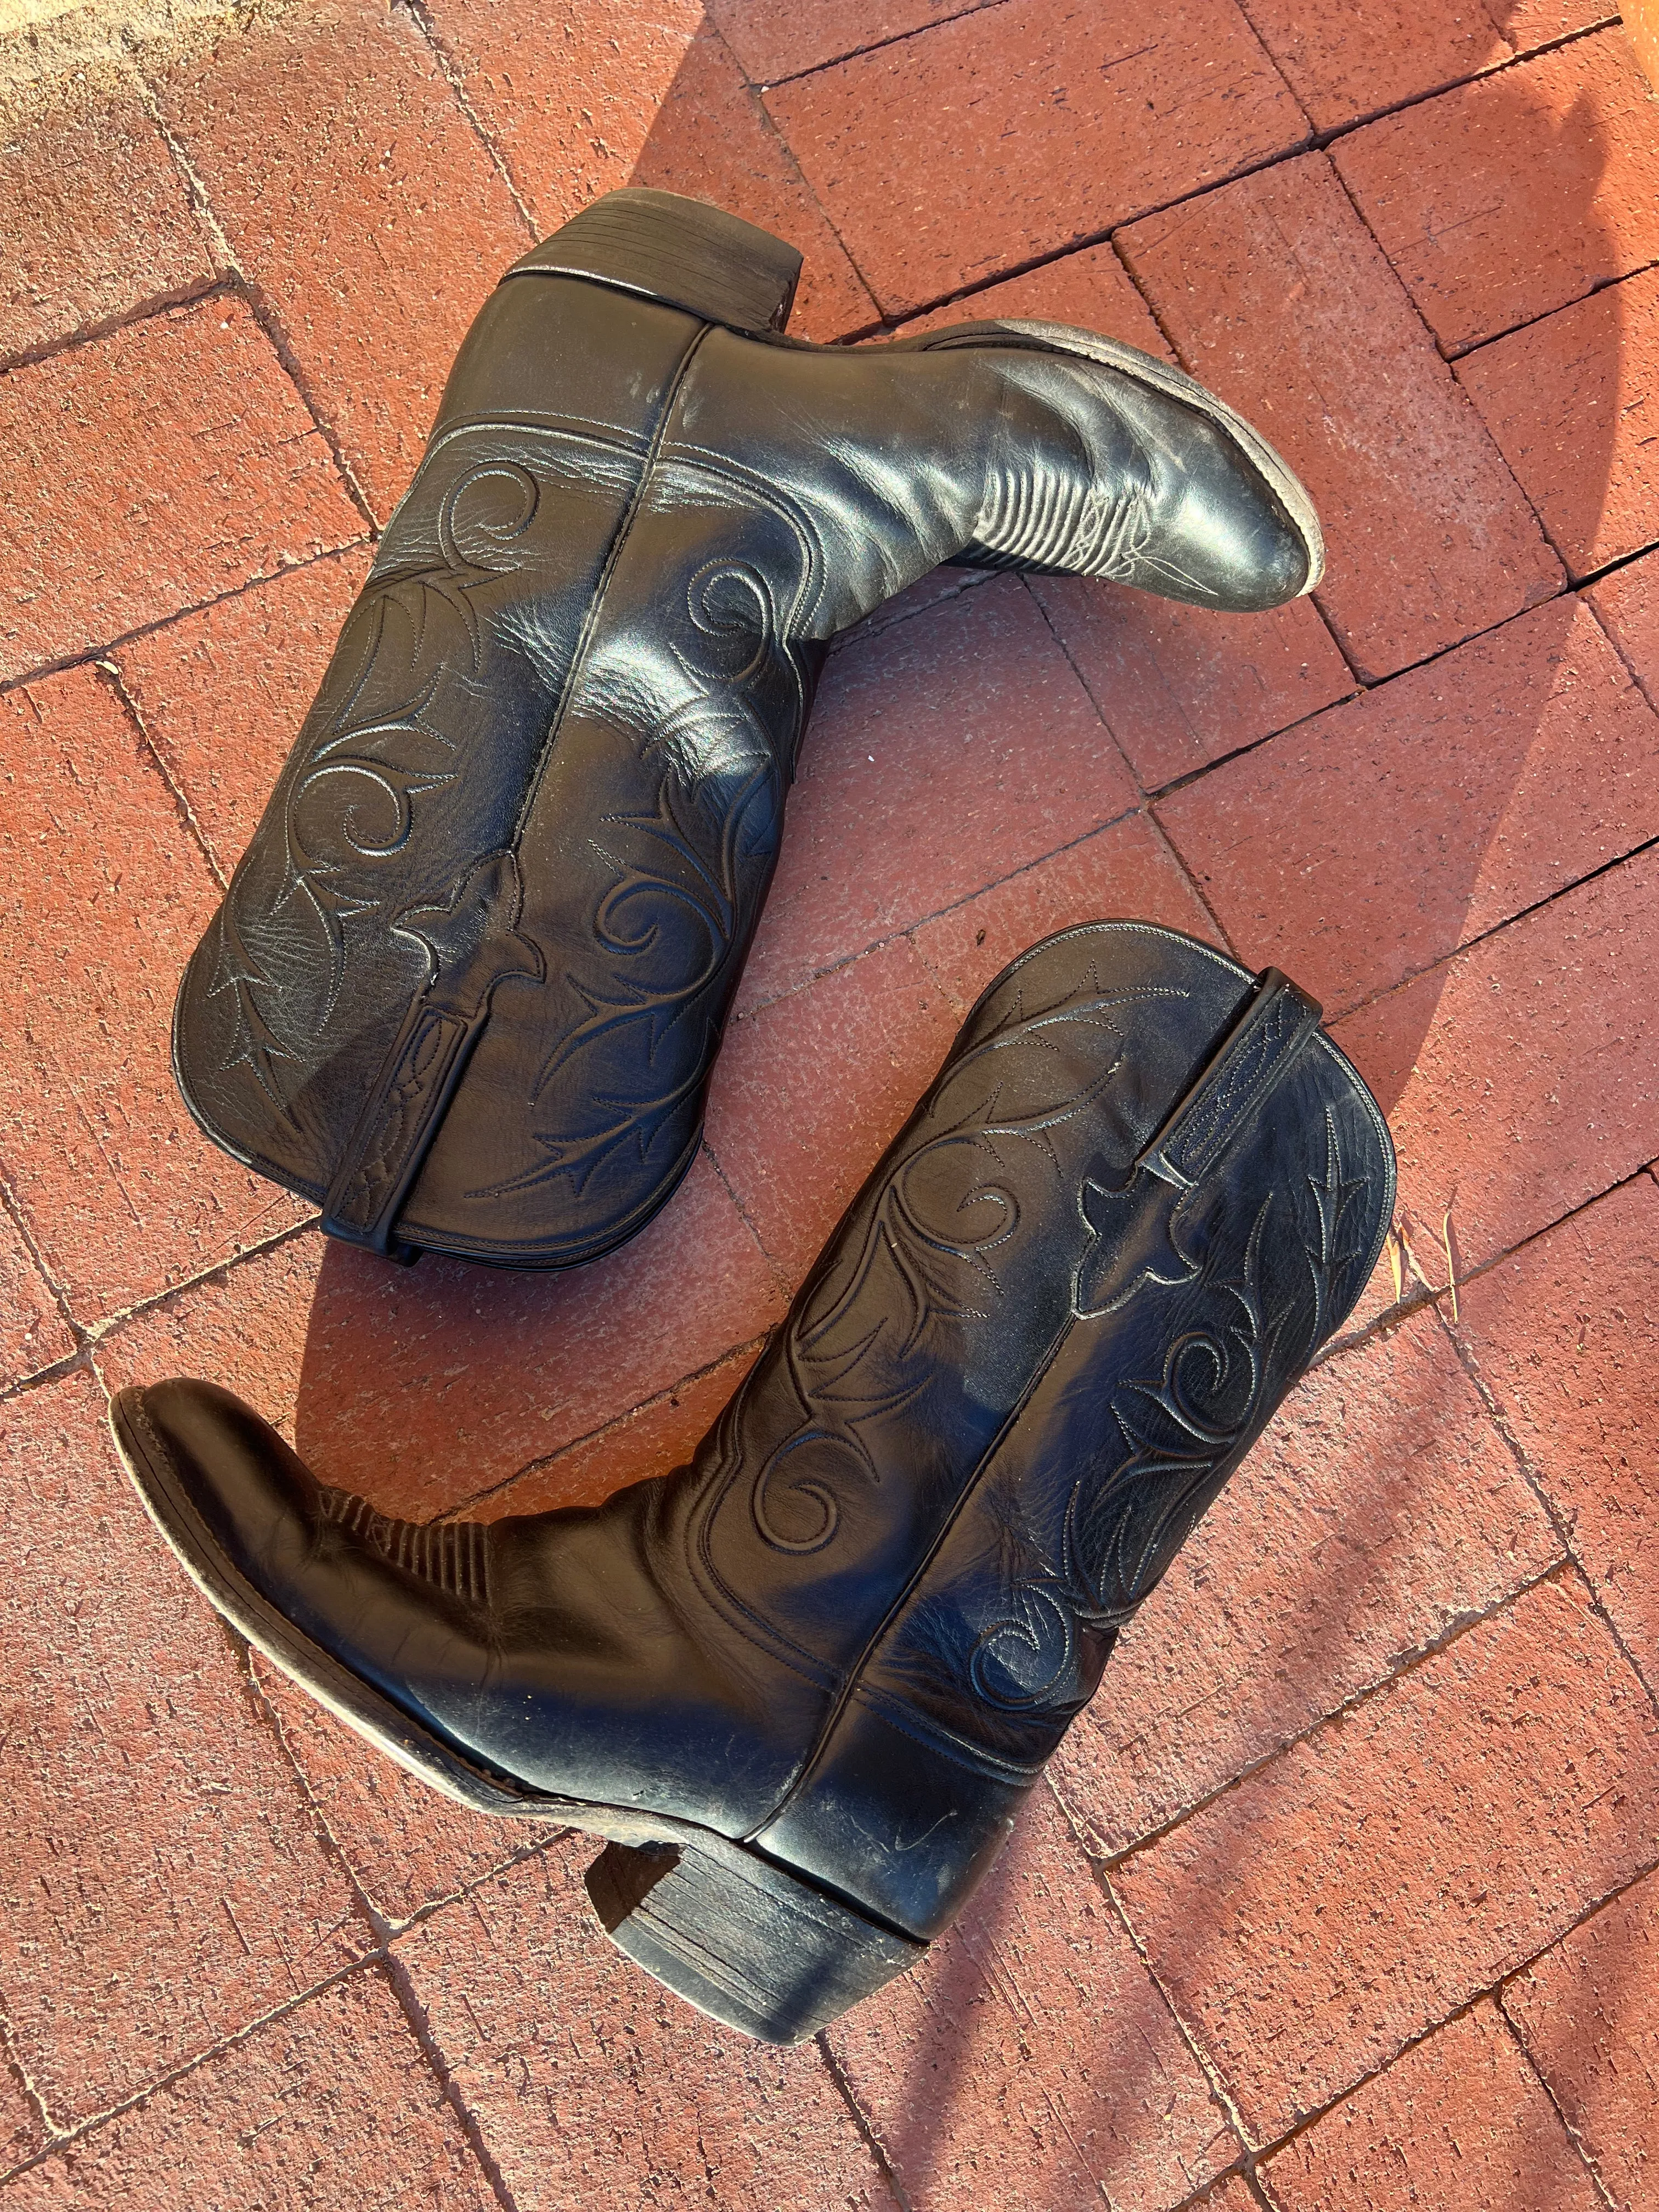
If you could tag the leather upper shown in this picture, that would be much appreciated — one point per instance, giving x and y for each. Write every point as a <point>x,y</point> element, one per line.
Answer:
<point>1063,1305</point>
<point>466,987</point>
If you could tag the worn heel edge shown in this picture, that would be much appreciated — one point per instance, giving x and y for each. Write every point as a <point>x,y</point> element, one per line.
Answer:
<point>679,251</point>
<point>741,1938</point>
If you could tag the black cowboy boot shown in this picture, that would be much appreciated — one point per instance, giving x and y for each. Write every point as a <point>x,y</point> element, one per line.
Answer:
<point>467,985</point>
<point>806,1680</point>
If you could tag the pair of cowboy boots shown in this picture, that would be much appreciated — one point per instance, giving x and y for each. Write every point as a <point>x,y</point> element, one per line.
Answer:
<point>466,988</point>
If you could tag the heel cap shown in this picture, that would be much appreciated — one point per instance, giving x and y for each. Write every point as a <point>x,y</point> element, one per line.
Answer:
<point>681,251</point>
<point>741,1939</point>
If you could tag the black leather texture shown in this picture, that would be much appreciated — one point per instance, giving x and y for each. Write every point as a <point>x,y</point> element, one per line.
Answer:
<point>1143,1191</point>
<point>466,987</point>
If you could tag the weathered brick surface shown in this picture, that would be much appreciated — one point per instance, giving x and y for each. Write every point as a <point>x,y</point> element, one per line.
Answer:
<point>1000,137</point>
<point>1278,297</point>
<point>1126,872</point>
<point>423,1387</point>
<point>597,95</point>
<point>21,2133</point>
<point>1567,400</point>
<point>1343,61</point>
<point>372,219</point>
<point>1373,1878</point>
<point>1504,200</point>
<point>653,1440</point>
<point>122,1192</point>
<point>222,693</point>
<point>1567,1332</point>
<point>1461,2120</point>
<point>1519,1078</point>
<point>150,469</point>
<point>1626,605</point>
<point>1090,289</point>
<point>810,1089</point>
<point>93,212</point>
<point>408,1845</point>
<point>1180,687</point>
<point>1382,1507</point>
<point>1030,2059</point>
<point>775,38</point>
<point>1589,2015</point>
<point>32,1332</point>
<point>944,751</point>
<point>331,2107</point>
<point>594,2088</point>
<point>1376,837</point>
<point>162,1881</point>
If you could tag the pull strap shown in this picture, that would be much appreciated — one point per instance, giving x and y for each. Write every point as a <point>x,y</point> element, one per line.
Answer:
<point>473,944</point>
<point>1270,1029</point>
<point>1134,1240</point>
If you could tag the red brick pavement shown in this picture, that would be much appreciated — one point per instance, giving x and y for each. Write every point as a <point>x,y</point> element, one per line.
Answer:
<point>1342,1895</point>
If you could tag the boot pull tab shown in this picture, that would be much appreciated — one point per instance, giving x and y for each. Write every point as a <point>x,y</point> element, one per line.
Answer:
<point>1133,1239</point>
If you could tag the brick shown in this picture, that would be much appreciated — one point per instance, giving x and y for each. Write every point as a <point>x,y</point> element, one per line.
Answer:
<point>775,38</point>
<point>1626,605</point>
<point>1373,1878</point>
<point>1090,290</point>
<point>96,212</point>
<point>1504,200</point>
<point>1277,298</point>
<point>1518,1079</point>
<point>222,693</point>
<point>1587,2016</point>
<point>150,469</point>
<point>1182,687</point>
<point>1382,1507</point>
<point>1565,1333</point>
<point>1039,2064</point>
<point>1343,61</point>
<point>1376,838</point>
<point>105,898</point>
<point>279,2121</point>
<point>423,1388</point>
<point>32,1332</point>
<point>1460,2120</point>
<point>601,95</point>
<point>1001,136</point>
<point>1530,23</point>
<point>944,752</point>
<point>653,1440</point>
<point>162,1882</point>
<point>21,2133</point>
<point>810,1089</point>
<point>1125,872</point>
<point>409,1846</point>
<point>1565,399</point>
<point>373,220</point>
<point>593,2086</point>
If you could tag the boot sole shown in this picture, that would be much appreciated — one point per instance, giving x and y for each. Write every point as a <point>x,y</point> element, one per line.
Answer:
<point>738,1934</point>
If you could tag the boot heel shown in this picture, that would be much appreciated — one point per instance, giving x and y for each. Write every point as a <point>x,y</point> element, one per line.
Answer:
<point>682,252</point>
<point>740,1938</point>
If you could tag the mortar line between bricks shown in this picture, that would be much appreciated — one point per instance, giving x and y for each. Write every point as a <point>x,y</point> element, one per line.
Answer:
<point>1403,1665</point>
<point>454,76</point>
<point>862,2122</point>
<point>262,309</point>
<point>1456,355</point>
<point>97,1332</point>
<point>93,654</point>
<point>594,1436</point>
<point>785,1286</point>
<point>877,45</point>
<point>1623,658</point>
<point>1515,59</point>
<point>11,1202</point>
<point>113,675</point>
<point>33,2094</point>
<point>155,305</point>
<point>69,2136</point>
<point>420,2026</point>
<point>1465,1355</point>
<point>1554,2103</point>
